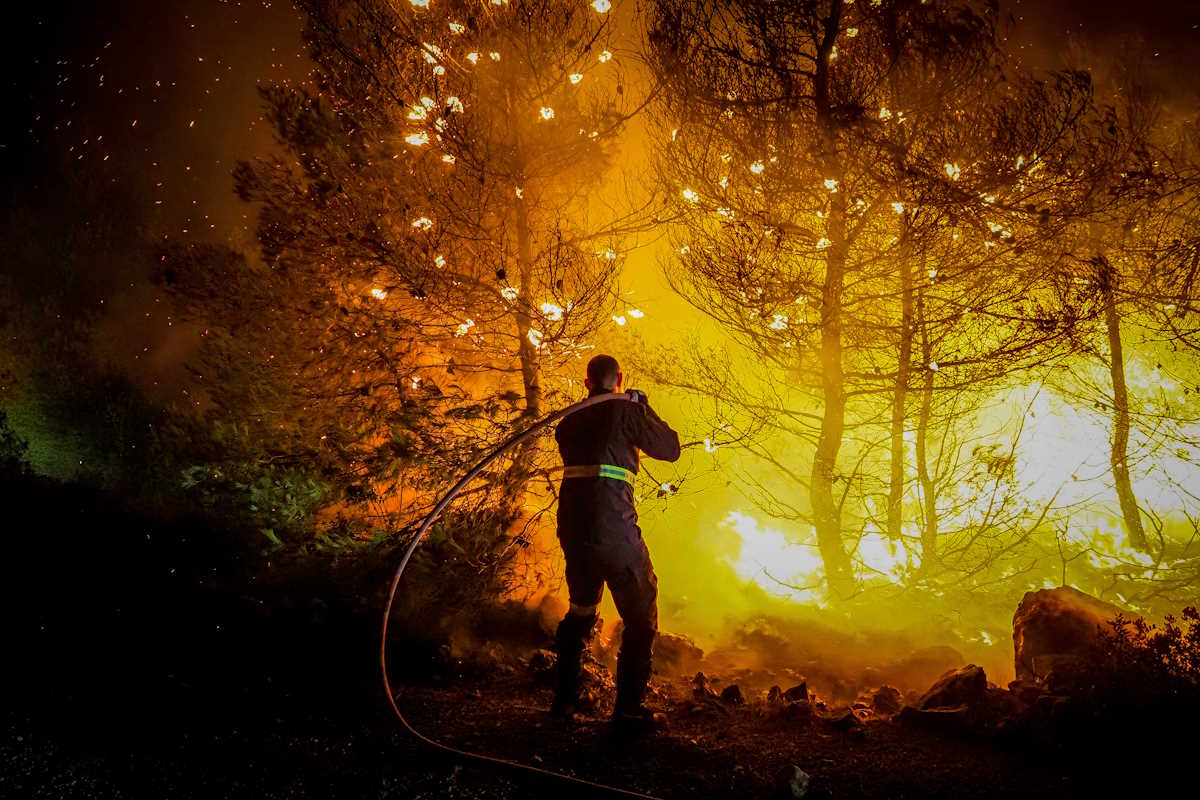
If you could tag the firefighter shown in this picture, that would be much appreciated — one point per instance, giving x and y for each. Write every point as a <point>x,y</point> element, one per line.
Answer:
<point>601,540</point>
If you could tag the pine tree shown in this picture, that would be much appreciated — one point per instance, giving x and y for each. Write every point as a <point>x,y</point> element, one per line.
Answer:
<point>432,257</point>
<point>862,191</point>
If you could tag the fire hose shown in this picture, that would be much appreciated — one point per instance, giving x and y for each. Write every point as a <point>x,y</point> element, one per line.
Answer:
<point>420,535</point>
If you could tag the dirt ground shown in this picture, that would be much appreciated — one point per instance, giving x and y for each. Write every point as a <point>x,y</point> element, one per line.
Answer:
<point>143,662</point>
<point>179,737</point>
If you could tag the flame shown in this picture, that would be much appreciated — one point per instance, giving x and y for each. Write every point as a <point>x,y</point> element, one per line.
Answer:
<point>766,558</point>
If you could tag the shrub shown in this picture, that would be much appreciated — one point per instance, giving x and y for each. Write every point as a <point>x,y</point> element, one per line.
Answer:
<point>1154,662</point>
<point>13,449</point>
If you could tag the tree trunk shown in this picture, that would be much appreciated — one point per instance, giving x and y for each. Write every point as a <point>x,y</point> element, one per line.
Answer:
<point>827,517</point>
<point>530,373</point>
<point>521,468</point>
<point>900,393</point>
<point>1120,412</point>
<point>526,349</point>
<point>929,532</point>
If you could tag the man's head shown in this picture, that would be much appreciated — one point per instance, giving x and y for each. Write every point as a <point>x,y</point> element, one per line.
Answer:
<point>604,375</point>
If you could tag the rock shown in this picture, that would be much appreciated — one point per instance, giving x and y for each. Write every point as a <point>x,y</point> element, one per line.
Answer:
<point>999,711</point>
<point>1066,674</point>
<point>886,700</point>
<point>1052,623</point>
<point>962,686</point>
<point>542,660</point>
<point>733,695</point>
<point>797,693</point>
<point>845,720</point>
<point>700,689</point>
<point>791,782</point>
<point>774,695</point>
<point>595,676</point>
<point>1026,691</point>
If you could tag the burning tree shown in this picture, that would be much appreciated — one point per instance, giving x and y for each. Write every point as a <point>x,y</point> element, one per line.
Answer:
<point>865,196</point>
<point>970,150</point>
<point>1137,245</point>
<point>432,254</point>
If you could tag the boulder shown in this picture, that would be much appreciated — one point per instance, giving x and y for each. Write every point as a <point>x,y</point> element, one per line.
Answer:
<point>958,687</point>
<point>541,666</point>
<point>886,700</point>
<point>845,720</point>
<point>791,782</point>
<point>1056,629</point>
<point>797,693</point>
<point>733,695</point>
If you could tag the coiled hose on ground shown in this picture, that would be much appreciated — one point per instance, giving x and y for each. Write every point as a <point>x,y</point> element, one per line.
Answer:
<point>580,783</point>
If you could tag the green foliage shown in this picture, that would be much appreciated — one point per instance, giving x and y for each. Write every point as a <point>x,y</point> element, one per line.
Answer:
<point>13,449</point>
<point>464,564</point>
<point>271,497</point>
<point>1149,661</point>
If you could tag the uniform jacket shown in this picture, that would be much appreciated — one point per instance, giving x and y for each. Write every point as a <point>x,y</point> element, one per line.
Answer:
<point>598,513</point>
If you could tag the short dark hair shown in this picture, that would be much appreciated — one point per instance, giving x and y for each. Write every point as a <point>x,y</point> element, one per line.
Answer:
<point>603,371</point>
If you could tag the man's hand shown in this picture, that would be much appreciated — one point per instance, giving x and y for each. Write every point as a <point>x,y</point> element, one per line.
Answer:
<point>638,396</point>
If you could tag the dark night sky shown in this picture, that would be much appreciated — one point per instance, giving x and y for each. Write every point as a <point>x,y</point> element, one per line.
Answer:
<point>171,86</point>
<point>161,97</point>
<point>165,91</point>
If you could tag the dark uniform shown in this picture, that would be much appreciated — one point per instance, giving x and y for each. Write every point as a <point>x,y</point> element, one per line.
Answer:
<point>600,537</point>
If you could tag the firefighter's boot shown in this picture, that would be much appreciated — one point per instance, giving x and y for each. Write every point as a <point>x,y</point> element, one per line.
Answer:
<point>633,674</point>
<point>570,640</point>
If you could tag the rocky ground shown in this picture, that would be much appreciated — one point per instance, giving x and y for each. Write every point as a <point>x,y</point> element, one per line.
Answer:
<point>139,668</point>
<point>191,735</point>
